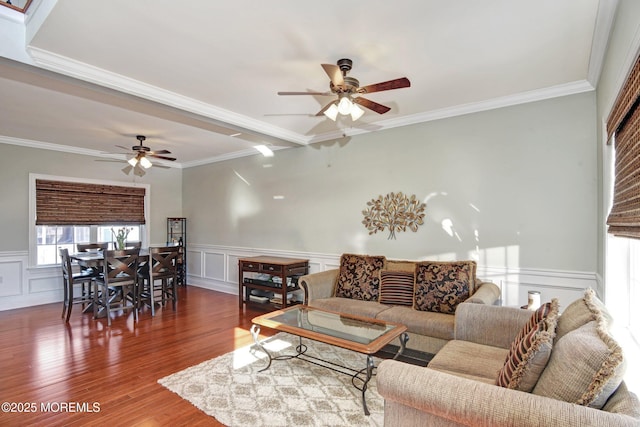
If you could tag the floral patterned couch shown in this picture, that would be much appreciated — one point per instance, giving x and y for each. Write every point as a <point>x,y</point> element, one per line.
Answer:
<point>423,295</point>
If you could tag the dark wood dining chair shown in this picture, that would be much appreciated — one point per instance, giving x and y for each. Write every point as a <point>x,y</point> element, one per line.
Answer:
<point>89,247</point>
<point>159,277</point>
<point>120,274</point>
<point>86,247</point>
<point>70,280</point>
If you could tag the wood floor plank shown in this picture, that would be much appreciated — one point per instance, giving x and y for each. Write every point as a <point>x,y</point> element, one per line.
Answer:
<point>49,363</point>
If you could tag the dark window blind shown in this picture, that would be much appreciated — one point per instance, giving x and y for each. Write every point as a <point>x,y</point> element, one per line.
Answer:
<point>74,203</point>
<point>624,123</point>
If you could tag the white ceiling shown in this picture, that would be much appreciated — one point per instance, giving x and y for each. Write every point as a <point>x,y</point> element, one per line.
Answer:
<point>189,75</point>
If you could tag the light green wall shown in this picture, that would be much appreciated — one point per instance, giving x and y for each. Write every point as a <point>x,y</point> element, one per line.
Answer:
<point>16,163</point>
<point>523,177</point>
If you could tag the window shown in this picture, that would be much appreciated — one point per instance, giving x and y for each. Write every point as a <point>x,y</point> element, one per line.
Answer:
<point>51,238</point>
<point>66,211</point>
<point>623,241</point>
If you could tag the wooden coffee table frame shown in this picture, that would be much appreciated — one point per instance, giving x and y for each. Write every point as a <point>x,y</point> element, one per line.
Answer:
<point>368,348</point>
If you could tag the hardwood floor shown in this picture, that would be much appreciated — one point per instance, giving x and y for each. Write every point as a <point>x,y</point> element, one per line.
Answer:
<point>46,364</point>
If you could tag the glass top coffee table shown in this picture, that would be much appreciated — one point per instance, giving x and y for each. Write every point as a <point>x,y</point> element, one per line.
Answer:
<point>359,334</point>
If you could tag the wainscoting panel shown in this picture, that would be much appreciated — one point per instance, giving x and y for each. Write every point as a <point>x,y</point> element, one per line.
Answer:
<point>194,263</point>
<point>567,286</point>
<point>216,267</point>
<point>11,277</point>
<point>515,284</point>
<point>21,286</point>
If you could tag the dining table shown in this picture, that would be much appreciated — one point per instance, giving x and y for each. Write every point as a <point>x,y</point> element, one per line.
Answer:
<point>92,259</point>
<point>95,260</point>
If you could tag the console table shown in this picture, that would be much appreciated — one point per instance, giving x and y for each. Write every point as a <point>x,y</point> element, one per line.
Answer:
<point>251,275</point>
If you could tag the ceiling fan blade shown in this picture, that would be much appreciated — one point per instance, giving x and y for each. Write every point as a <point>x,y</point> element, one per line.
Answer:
<point>124,148</point>
<point>159,152</point>
<point>374,106</point>
<point>305,93</point>
<point>334,73</point>
<point>110,161</point>
<point>391,84</point>
<point>161,157</point>
<point>325,108</point>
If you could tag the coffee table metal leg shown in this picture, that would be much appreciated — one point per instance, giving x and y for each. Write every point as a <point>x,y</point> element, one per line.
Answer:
<point>255,332</point>
<point>370,366</point>
<point>403,344</point>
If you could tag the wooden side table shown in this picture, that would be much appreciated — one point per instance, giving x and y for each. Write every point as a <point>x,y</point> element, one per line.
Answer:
<point>275,267</point>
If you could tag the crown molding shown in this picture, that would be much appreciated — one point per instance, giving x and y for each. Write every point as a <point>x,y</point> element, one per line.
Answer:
<point>601,33</point>
<point>89,73</point>
<point>94,153</point>
<point>49,146</point>
<point>74,150</point>
<point>460,110</point>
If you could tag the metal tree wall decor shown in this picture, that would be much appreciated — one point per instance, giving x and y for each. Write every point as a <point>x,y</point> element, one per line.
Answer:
<point>394,211</point>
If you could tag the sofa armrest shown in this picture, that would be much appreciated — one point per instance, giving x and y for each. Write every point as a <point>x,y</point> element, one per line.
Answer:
<point>489,324</point>
<point>318,285</point>
<point>420,396</point>
<point>487,293</point>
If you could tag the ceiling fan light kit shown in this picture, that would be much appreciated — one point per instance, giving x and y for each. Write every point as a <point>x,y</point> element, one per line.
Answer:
<point>346,87</point>
<point>139,162</point>
<point>145,163</point>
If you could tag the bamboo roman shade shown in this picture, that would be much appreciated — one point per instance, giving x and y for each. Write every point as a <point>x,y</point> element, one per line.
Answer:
<point>75,203</point>
<point>624,123</point>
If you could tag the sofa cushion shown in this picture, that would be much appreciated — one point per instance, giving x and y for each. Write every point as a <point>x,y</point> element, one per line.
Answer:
<point>586,367</point>
<point>581,312</point>
<point>431,324</point>
<point>441,286</point>
<point>531,349</point>
<point>621,402</point>
<point>350,306</point>
<point>396,287</point>
<point>470,360</point>
<point>359,277</point>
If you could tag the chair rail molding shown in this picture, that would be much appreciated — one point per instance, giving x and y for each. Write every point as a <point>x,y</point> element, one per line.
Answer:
<point>216,267</point>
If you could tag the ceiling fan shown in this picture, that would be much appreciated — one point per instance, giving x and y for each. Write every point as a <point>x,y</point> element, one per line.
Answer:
<point>139,162</point>
<point>346,87</point>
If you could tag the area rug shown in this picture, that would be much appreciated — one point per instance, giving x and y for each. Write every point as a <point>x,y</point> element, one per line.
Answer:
<point>291,392</point>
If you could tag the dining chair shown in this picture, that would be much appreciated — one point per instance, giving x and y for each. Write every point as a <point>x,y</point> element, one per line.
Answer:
<point>89,247</point>
<point>86,247</point>
<point>120,274</point>
<point>69,281</point>
<point>158,277</point>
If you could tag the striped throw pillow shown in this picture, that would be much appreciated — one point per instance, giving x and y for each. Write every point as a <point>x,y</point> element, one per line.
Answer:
<point>396,287</point>
<point>530,351</point>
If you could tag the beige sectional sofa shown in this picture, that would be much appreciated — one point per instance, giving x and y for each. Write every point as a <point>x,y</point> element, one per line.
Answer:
<point>509,367</point>
<point>423,295</point>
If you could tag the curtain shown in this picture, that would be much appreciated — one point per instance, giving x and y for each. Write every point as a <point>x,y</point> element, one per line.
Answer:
<point>75,203</point>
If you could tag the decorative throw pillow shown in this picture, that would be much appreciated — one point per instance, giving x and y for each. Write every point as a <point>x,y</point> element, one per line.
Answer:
<point>586,367</point>
<point>441,286</point>
<point>400,265</point>
<point>396,287</point>
<point>359,277</point>
<point>531,349</point>
<point>581,312</point>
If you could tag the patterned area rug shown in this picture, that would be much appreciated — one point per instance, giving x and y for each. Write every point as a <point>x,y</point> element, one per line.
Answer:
<point>290,393</point>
